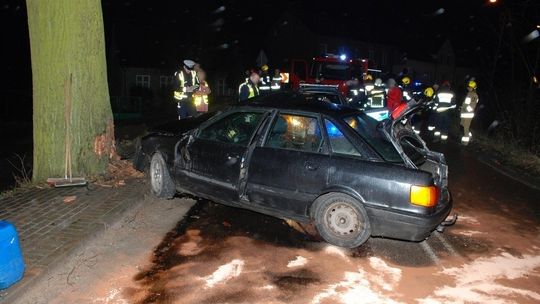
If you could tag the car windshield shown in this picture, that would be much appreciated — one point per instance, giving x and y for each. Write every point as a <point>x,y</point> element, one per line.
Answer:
<point>367,128</point>
<point>335,71</point>
<point>319,96</point>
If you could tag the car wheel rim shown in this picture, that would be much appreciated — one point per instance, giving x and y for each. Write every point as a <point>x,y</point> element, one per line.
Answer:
<point>343,220</point>
<point>156,175</point>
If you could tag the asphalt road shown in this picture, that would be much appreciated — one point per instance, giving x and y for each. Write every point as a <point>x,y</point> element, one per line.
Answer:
<point>218,254</point>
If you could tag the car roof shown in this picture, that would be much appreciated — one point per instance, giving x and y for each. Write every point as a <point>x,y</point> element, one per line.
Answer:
<point>296,101</point>
<point>318,89</point>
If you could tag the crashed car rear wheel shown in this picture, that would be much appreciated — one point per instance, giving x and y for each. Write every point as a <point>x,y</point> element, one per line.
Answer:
<point>161,182</point>
<point>341,220</point>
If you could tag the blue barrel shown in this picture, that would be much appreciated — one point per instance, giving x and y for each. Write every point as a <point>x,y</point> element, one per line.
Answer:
<point>11,260</point>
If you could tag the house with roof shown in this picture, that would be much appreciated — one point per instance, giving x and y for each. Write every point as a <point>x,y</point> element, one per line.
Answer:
<point>433,67</point>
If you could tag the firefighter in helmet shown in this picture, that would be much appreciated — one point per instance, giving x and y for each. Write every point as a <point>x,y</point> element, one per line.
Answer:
<point>445,106</point>
<point>432,111</point>
<point>276,80</point>
<point>467,111</point>
<point>186,83</point>
<point>249,89</point>
<point>419,120</point>
<point>406,88</point>
<point>368,83</point>
<point>265,81</point>
<point>376,95</point>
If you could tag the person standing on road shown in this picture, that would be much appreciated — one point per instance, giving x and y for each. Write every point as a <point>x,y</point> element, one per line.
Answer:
<point>467,111</point>
<point>187,83</point>
<point>200,96</point>
<point>444,111</point>
<point>432,113</point>
<point>394,95</point>
<point>406,88</point>
<point>419,120</point>
<point>265,81</point>
<point>276,80</point>
<point>249,89</point>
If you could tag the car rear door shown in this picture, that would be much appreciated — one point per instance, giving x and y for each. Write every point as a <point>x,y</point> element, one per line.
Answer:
<point>288,171</point>
<point>218,152</point>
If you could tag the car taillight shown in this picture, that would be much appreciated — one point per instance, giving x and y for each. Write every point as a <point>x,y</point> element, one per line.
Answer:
<point>426,196</point>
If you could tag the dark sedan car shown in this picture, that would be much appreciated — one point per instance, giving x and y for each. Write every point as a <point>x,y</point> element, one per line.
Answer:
<point>309,161</point>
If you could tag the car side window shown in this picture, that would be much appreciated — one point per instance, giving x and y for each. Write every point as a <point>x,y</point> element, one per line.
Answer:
<point>295,132</point>
<point>338,142</point>
<point>236,128</point>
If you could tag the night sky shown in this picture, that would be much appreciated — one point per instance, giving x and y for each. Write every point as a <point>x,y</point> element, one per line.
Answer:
<point>161,33</point>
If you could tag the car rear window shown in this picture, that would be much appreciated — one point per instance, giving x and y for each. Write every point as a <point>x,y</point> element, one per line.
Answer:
<point>368,129</point>
<point>326,97</point>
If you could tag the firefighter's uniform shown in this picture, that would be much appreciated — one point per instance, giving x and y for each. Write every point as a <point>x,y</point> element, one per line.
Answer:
<point>406,88</point>
<point>276,82</point>
<point>467,111</point>
<point>265,81</point>
<point>247,90</point>
<point>443,112</point>
<point>184,90</point>
<point>419,120</point>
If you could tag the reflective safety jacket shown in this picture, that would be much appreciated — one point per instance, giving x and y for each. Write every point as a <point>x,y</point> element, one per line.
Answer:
<point>276,83</point>
<point>376,97</point>
<point>445,100</point>
<point>185,80</point>
<point>469,105</point>
<point>407,93</point>
<point>265,83</point>
<point>200,98</point>
<point>247,90</point>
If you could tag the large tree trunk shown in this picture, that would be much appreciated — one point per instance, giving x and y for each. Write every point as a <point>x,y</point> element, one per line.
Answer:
<point>67,40</point>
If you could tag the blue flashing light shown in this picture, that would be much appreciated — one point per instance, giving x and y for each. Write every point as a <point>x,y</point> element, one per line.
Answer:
<point>332,130</point>
<point>342,56</point>
<point>417,83</point>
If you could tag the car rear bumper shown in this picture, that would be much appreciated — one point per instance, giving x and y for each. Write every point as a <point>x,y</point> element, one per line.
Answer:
<point>407,226</point>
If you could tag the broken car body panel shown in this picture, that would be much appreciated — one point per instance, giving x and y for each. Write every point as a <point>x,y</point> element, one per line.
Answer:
<point>251,156</point>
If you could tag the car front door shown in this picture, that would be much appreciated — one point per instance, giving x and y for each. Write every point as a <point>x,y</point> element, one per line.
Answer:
<point>290,169</point>
<point>217,154</point>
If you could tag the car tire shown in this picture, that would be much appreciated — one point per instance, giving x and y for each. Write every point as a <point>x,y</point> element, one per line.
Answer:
<point>341,220</point>
<point>161,183</point>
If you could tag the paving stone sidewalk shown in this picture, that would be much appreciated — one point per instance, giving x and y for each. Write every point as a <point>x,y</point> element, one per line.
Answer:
<point>50,229</point>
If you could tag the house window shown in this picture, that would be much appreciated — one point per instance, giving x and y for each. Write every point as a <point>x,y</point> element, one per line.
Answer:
<point>165,81</point>
<point>142,81</point>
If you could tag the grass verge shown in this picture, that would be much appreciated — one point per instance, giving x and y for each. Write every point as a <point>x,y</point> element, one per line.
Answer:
<point>509,153</point>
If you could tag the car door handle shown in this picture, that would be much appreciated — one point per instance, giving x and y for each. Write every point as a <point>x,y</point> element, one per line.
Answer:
<point>311,166</point>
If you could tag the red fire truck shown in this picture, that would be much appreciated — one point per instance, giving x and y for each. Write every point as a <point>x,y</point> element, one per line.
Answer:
<point>332,70</point>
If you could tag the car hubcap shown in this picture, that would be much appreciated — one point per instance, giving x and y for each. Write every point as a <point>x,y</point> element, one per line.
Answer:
<point>156,175</point>
<point>343,220</point>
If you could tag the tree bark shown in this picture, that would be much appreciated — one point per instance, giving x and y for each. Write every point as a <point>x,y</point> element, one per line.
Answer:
<point>67,41</point>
